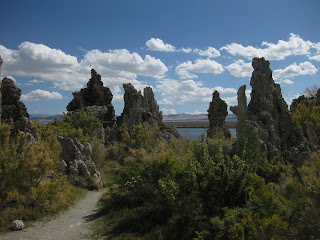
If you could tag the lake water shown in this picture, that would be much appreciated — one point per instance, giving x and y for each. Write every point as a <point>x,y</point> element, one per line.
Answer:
<point>195,133</point>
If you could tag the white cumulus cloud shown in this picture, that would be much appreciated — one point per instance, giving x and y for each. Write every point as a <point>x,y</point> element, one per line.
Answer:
<point>168,111</point>
<point>156,44</point>
<point>316,58</point>
<point>39,95</point>
<point>33,59</point>
<point>196,112</point>
<point>240,69</point>
<point>188,92</point>
<point>186,69</point>
<point>122,63</point>
<point>186,50</point>
<point>271,51</point>
<point>210,52</point>
<point>66,72</point>
<point>165,101</point>
<point>284,81</point>
<point>295,69</point>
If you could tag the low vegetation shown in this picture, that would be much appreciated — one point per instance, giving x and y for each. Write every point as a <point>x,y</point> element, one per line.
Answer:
<point>181,189</point>
<point>31,185</point>
<point>198,190</point>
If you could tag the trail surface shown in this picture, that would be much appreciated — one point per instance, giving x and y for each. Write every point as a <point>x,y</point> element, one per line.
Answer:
<point>72,225</point>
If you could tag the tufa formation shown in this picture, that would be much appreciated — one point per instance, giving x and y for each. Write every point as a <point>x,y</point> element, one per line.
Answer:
<point>96,99</point>
<point>304,100</point>
<point>139,109</point>
<point>76,160</point>
<point>267,117</point>
<point>13,111</point>
<point>217,114</point>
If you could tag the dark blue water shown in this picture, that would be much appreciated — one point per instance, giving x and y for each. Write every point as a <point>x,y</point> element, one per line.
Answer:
<point>195,133</point>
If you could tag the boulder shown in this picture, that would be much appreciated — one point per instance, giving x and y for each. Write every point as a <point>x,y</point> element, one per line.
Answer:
<point>217,114</point>
<point>17,225</point>
<point>87,150</point>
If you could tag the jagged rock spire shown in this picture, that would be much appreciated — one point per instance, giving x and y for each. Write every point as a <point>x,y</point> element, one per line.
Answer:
<point>217,114</point>
<point>269,117</point>
<point>14,111</point>
<point>140,108</point>
<point>95,98</point>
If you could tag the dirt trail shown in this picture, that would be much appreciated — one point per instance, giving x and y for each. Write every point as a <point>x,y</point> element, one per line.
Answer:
<point>74,224</point>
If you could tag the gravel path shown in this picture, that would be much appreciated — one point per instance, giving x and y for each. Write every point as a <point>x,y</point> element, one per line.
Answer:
<point>74,224</point>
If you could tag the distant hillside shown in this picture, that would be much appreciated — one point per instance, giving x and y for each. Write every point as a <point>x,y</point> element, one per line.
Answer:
<point>44,118</point>
<point>177,120</point>
<point>189,120</point>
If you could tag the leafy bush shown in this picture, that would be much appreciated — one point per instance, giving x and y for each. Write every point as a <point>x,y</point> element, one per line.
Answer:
<point>309,113</point>
<point>80,125</point>
<point>30,185</point>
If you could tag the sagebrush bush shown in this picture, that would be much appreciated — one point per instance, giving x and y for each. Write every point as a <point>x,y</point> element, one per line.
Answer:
<point>197,190</point>
<point>30,184</point>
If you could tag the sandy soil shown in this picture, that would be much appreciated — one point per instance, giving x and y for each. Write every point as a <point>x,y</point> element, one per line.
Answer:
<point>74,224</point>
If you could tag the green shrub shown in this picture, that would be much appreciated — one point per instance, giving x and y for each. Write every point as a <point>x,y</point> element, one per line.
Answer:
<point>30,185</point>
<point>309,113</point>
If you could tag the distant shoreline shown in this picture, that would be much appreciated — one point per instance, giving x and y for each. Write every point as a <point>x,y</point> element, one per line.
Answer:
<point>198,124</point>
<point>177,120</point>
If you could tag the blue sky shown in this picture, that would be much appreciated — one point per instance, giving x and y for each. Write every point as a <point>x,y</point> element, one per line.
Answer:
<point>184,49</point>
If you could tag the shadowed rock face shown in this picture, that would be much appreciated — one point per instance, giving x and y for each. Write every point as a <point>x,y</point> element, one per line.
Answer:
<point>0,64</point>
<point>268,116</point>
<point>12,108</point>
<point>139,109</point>
<point>95,94</point>
<point>217,114</point>
<point>310,128</point>
<point>14,111</point>
<point>304,100</point>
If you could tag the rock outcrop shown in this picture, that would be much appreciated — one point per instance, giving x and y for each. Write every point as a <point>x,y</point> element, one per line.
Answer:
<point>268,116</point>
<point>304,100</point>
<point>14,111</point>
<point>217,114</point>
<point>310,128</point>
<point>140,108</point>
<point>76,160</point>
<point>96,99</point>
